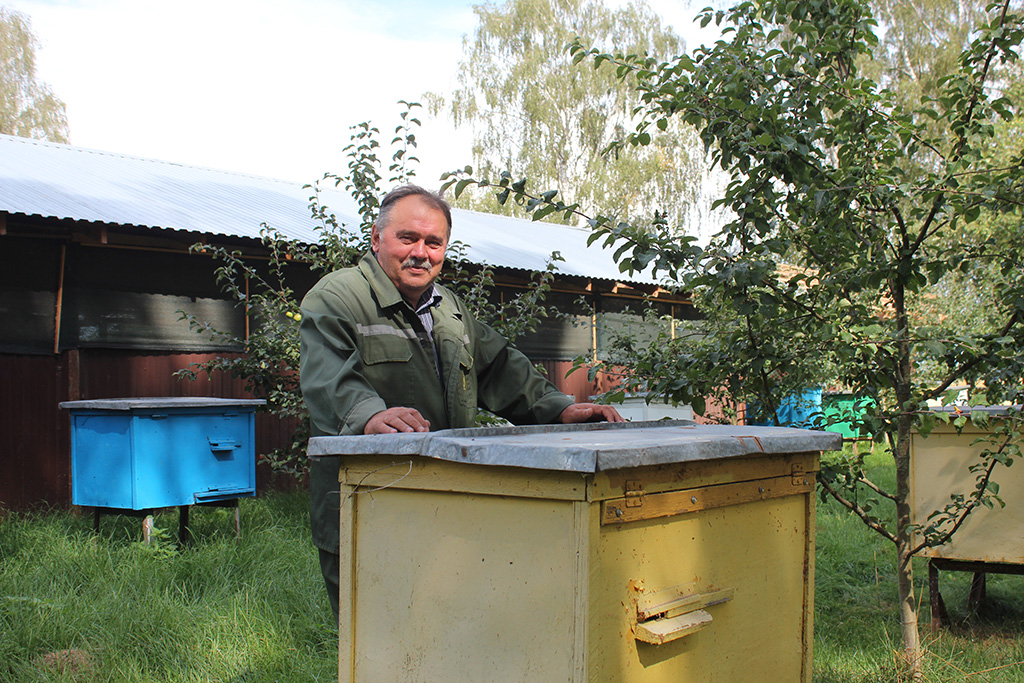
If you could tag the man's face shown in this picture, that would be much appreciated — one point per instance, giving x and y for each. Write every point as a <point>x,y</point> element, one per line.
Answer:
<point>411,247</point>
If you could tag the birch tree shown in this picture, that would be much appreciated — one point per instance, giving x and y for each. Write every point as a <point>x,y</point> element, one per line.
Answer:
<point>28,108</point>
<point>535,113</point>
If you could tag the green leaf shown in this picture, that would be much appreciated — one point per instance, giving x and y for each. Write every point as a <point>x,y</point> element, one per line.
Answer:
<point>699,405</point>
<point>544,211</point>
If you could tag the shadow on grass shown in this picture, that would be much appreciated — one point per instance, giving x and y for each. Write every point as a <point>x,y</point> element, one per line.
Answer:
<point>994,629</point>
<point>857,632</point>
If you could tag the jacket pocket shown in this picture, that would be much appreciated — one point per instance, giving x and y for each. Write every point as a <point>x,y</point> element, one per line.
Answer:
<point>387,348</point>
<point>387,367</point>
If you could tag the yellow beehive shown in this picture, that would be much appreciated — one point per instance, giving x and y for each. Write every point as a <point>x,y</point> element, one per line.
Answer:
<point>641,552</point>
<point>939,468</point>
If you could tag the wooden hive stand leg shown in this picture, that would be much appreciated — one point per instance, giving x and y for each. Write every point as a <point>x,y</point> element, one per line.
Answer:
<point>184,535</point>
<point>238,521</point>
<point>147,528</point>
<point>939,615</point>
<point>977,593</point>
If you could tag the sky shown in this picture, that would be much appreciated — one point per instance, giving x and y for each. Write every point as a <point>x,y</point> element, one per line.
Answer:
<point>264,87</point>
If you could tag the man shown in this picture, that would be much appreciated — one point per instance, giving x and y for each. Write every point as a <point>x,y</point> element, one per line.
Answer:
<point>384,350</point>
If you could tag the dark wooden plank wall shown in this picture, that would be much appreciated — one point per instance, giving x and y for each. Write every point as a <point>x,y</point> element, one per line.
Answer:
<point>34,442</point>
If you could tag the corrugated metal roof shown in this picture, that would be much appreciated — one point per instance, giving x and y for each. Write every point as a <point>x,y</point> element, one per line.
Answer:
<point>60,181</point>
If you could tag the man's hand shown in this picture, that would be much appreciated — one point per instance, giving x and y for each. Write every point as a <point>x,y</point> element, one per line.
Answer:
<point>589,412</point>
<point>396,420</point>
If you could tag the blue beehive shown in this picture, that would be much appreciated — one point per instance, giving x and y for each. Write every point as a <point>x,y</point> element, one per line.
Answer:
<point>145,453</point>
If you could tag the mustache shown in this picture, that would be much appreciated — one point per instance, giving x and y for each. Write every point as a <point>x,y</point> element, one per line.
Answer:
<point>414,262</point>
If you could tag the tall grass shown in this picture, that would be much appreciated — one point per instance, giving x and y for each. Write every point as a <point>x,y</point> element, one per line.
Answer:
<point>220,609</point>
<point>857,635</point>
<point>80,607</point>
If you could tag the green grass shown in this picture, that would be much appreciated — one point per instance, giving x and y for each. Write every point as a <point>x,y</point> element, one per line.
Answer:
<point>221,609</point>
<point>856,629</point>
<point>254,609</point>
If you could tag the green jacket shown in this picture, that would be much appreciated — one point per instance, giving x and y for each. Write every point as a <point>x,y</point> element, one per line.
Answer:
<point>364,349</point>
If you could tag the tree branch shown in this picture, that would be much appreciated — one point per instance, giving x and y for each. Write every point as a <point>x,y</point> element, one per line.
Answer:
<point>859,511</point>
<point>957,373</point>
<point>876,488</point>
<point>962,135</point>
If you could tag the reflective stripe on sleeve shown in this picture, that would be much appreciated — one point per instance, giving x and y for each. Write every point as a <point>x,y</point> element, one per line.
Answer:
<point>377,330</point>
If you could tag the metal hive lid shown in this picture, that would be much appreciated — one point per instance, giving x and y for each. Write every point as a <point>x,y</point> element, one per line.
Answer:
<point>124,404</point>
<point>584,448</point>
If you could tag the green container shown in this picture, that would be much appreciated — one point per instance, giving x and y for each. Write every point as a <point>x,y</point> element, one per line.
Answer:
<point>843,410</point>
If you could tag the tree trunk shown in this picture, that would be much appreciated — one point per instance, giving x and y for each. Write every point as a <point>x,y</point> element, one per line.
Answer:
<point>908,606</point>
<point>901,453</point>
<point>904,543</point>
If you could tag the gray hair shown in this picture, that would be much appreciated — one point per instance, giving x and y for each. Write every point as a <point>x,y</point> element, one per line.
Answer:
<point>433,199</point>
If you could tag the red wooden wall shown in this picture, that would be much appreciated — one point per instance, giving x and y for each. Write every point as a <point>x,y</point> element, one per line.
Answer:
<point>35,446</point>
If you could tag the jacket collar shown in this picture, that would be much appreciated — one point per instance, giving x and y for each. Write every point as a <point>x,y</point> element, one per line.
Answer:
<point>384,289</point>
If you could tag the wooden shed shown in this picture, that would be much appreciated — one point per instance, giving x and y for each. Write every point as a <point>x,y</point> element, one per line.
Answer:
<point>95,271</point>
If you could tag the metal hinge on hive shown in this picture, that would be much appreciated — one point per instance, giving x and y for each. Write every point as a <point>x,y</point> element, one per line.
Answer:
<point>634,494</point>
